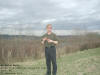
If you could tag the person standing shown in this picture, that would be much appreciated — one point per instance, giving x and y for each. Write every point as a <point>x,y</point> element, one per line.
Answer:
<point>49,40</point>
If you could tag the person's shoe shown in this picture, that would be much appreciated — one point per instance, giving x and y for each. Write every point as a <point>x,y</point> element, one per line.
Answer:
<point>54,74</point>
<point>47,74</point>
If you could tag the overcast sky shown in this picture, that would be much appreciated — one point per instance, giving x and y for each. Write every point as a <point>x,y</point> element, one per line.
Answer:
<point>31,15</point>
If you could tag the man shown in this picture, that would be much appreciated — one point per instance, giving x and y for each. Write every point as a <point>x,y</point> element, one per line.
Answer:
<point>50,40</point>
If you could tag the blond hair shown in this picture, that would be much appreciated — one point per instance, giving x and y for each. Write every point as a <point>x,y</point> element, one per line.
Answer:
<point>48,25</point>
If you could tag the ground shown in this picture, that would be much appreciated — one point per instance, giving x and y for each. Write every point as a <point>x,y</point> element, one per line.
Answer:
<point>85,62</point>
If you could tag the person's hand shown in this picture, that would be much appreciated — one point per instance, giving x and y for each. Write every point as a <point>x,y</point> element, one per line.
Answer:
<point>45,38</point>
<point>49,40</point>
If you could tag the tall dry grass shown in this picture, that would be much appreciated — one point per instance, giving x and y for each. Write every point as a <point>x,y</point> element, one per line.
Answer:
<point>24,48</point>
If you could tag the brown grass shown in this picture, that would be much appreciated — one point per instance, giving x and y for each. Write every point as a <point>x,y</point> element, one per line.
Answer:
<point>26,48</point>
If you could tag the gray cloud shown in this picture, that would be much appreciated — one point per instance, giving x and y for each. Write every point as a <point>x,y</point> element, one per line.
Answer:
<point>63,14</point>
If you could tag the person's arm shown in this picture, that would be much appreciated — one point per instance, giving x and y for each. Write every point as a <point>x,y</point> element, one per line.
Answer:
<point>52,41</point>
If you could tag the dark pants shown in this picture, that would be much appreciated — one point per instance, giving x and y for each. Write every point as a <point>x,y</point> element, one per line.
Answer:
<point>50,54</point>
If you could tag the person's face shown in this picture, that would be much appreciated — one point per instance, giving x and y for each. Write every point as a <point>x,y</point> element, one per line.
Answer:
<point>49,28</point>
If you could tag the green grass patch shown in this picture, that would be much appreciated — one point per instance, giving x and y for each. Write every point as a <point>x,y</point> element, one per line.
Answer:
<point>80,63</point>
